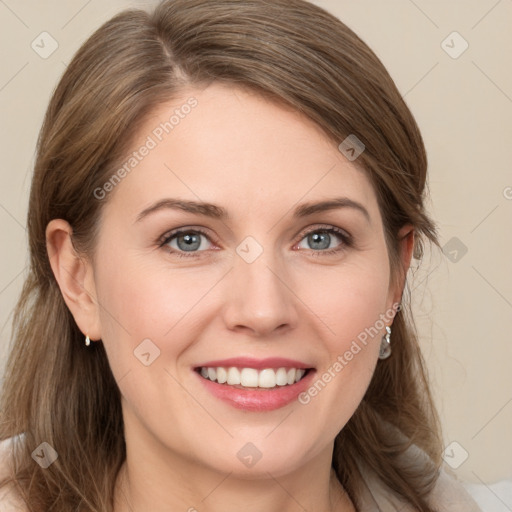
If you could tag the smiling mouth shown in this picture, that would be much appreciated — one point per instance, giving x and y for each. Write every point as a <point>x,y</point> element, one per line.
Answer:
<point>251,378</point>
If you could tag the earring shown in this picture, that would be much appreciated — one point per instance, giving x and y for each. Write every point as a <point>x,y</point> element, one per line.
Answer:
<point>385,344</point>
<point>87,341</point>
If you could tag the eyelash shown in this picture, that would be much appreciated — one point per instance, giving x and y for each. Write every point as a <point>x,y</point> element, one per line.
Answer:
<point>346,241</point>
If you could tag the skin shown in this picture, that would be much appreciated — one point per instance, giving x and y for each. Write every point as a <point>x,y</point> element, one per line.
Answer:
<point>259,160</point>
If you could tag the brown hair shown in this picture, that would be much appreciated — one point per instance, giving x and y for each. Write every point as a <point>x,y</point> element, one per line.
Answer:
<point>58,391</point>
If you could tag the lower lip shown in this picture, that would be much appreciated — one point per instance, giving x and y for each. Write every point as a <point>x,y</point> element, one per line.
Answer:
<point>257,400</point>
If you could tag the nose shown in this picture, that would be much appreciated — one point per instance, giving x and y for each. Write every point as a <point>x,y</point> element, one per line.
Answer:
<point>261,301</point>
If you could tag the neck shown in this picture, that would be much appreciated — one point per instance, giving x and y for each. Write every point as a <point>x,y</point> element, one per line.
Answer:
<point>229,495</point>
<point>160,480</point>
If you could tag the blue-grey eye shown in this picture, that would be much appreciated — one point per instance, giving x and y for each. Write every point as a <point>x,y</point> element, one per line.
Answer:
<point>189,241</point>
<point>321,240</point>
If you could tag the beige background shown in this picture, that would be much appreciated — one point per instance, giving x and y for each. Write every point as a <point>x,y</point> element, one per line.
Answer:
<point>464,108</point>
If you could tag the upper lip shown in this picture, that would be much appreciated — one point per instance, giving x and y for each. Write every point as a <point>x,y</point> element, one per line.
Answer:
<point>258,364</point>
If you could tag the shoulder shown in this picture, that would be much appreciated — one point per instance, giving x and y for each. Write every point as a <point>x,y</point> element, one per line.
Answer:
<point>10,501</point>
<point>496,496</point>
<point>448,493</point>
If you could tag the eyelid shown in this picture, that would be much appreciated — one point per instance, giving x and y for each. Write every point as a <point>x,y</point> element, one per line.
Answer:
<point>169,235</point>
<point>346,238</point>
<point>327,227</point>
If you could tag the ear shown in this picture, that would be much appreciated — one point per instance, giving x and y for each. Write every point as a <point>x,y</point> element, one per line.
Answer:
<point>75,277</point>
<point>405,248</point>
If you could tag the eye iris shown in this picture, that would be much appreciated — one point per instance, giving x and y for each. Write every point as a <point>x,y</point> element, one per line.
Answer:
<point>191,242</point>
<point>323,238</point>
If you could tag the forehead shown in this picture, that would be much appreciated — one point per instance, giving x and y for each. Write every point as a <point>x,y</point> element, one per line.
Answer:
<point>232,146</point>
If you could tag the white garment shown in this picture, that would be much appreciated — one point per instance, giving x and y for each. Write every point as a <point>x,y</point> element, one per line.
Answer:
<point>449,495</point>
<point>9,500</point>
<point>495,497</point>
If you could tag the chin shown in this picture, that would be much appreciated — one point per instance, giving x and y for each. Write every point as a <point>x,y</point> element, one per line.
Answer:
<point>247,459</point>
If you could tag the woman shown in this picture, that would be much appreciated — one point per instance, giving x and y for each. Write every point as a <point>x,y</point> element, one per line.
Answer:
<point>226,200</point>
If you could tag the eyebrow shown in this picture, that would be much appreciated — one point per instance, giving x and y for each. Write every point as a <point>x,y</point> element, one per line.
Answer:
<point>217,212</point>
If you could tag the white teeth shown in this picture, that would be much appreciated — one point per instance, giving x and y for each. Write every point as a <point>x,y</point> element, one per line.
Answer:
<point>249,377</point>
<point>233,376</point>
<point>281,377</point>
<point>252,378</point>
<point>267,378</point>
<point>222,375</point>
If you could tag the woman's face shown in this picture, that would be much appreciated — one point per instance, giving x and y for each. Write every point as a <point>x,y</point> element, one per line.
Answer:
<point>263,280</point>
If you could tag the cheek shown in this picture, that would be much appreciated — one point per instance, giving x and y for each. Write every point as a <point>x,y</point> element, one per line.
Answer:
<point>141,301</point>
<point>351,307</point>
<point>351,300</point>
